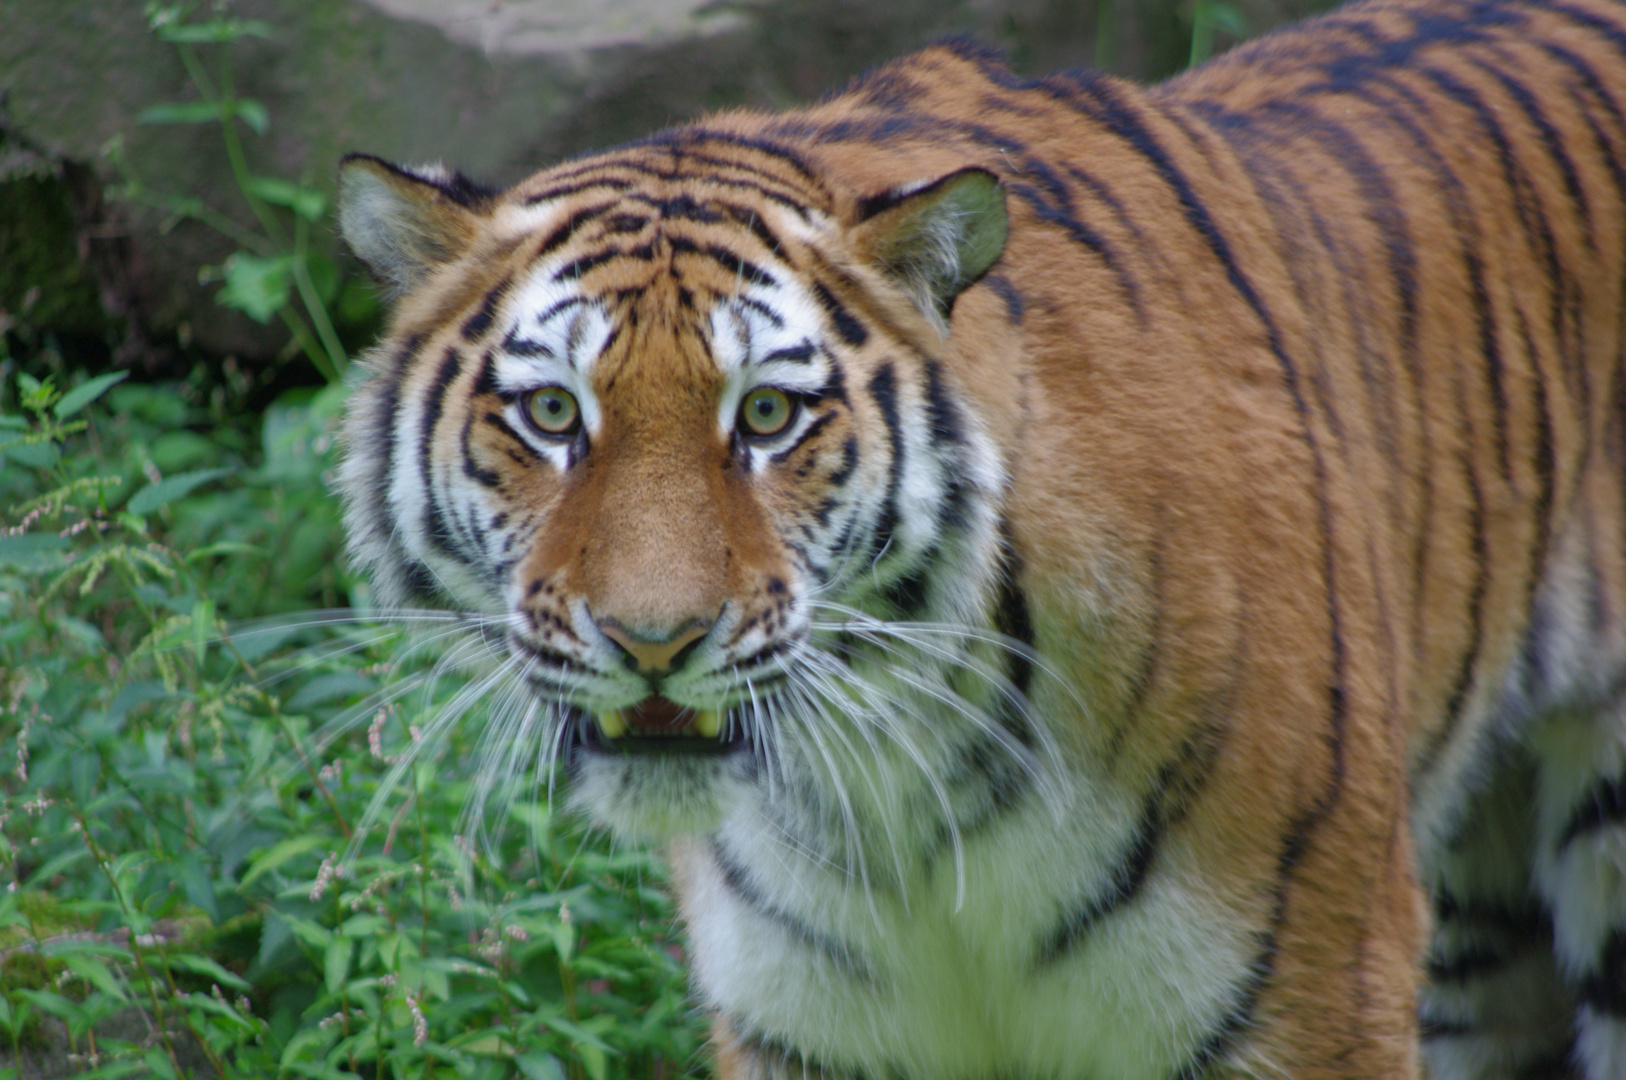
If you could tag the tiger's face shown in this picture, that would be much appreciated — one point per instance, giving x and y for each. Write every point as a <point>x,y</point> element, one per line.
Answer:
<point>688,447</point>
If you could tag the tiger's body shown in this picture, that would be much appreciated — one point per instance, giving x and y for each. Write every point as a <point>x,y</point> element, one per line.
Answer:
<point>1192,547</point>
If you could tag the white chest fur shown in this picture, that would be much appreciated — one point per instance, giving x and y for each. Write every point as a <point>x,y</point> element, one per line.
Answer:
<point>931,982</point>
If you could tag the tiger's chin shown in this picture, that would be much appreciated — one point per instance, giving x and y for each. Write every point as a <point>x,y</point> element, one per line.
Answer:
<point>653,789</point>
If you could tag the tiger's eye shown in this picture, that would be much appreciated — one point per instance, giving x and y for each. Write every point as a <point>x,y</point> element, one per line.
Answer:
<point>552,409</point>
<point>765,411</point>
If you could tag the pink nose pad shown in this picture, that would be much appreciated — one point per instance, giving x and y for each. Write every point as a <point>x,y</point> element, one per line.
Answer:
<point>653,656</point>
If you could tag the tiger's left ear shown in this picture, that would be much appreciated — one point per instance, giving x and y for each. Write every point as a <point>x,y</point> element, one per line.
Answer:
<point>936,239</point>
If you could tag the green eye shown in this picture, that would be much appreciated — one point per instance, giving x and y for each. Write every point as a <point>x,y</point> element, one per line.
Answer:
<point>553,410</point>
<point>766,411</point>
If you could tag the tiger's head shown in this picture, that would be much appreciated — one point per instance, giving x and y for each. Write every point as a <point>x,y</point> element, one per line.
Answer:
<point>683,422</point>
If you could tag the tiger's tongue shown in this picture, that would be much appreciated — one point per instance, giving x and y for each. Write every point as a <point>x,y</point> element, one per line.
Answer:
<point>657,716</point>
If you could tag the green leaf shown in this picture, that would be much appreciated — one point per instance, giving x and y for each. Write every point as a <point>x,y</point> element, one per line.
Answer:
<point>55,1004</point>
<point>336,962</point>
<point>86,392</point>
<point>593,1061</point>
<point>212,32</point>
<point>203,625</point>
<point>258,287</point>
<point>539,1066</point>
<point>302,200</point>
<point>225,547</point>
<point>171,488</point>
<point>252,113</point>
<point>196,881</point>
<point>202,965</point>
<point>159,1063</point>
<point>279,853</point>
<point>179,112</point>
<point>96,974</point>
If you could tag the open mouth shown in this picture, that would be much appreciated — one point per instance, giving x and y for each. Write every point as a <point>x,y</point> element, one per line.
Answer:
<point>656,725</point>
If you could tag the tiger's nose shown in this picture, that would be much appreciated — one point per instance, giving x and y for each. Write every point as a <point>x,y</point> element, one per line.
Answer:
<point>653,653</point>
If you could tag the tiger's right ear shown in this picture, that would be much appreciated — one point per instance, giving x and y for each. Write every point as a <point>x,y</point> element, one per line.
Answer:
<point>404,222</point>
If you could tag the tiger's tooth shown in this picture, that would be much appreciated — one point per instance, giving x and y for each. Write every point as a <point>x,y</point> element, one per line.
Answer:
<point>708,723</point>
<point>612,724</point>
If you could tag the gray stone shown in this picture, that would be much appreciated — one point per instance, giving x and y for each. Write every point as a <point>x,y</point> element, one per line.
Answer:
<point>497,88</point>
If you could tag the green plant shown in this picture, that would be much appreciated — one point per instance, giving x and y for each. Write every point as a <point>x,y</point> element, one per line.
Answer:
<point>181,821</point>
<point>276,273</point>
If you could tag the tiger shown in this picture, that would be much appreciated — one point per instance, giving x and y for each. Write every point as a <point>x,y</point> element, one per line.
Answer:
<point>1079,579</point>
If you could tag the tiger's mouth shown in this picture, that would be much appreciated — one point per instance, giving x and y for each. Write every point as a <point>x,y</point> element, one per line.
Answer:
<point>658,726</point>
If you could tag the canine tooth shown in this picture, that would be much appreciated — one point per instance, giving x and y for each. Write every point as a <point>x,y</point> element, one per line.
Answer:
<point>612,724</point>
<point>708,723</point>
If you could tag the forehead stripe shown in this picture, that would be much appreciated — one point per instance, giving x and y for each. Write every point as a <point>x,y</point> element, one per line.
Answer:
<point>480,321</point>
<point>726,259</point>
<point>851,330</point>
<point>564,232</point>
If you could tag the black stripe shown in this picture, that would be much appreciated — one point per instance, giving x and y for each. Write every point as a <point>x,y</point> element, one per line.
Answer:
<point>849,463</point>
<point>762,309</point>
<point>496,421</point>
<point>908,594</point>
<point>1106,106</point>
<point>1085,237</point>
<point>1605,988</point>
<point>736,879</point>
<point>1466,965</point>
<point>851,330</point>
<point>808,432</point>
<point>1015,306</point>
<point>1171,795</point>
<point>1457,700</point>
<point>575,269</point>
<point>478,323</point>
<point>440,535</point>
<point>480,475</point>
<point>559,191</point>
<point>1602,807</point>
<point>947,425</point>
<point>559,236</point>
<point>1536,227</point>
<point>884,391</point>
<point>796,354</point>
<point>732,263</point>
<point>1551,138</point>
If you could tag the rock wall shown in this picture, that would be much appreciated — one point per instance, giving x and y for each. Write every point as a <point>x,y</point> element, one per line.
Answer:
<point>496,87</point>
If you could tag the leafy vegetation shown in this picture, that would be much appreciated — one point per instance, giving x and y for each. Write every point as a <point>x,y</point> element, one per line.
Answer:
<point>185,792</point>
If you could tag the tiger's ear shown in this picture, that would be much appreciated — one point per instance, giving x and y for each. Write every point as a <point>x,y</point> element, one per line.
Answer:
<point>936,239</point>
<point>404,222</point>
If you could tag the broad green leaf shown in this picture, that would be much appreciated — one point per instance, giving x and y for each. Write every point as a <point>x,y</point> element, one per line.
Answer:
<point>258,287</point>
<point>171,488</point>
<point>279,853</point>
<point>593,1060</point>
<point>86,392</point>
<point>196,881</point>
<point>579,1035</point>
<point>96,974</point>
<point>336,962</point>
<point>159,1063</point>
<point>55,1004</point>
<point>179,112</point>
<point>537,1065</point>
<point>300,199</point>
<point>66,947</point>
<point>202,965</point>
